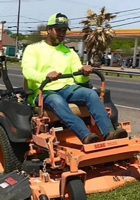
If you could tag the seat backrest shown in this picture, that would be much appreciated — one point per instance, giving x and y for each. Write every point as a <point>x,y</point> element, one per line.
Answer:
<point>25,84</point>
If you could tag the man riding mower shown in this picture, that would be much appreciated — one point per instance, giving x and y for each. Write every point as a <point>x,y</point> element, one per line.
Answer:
<point>74,150</point>
<point>57,164</point>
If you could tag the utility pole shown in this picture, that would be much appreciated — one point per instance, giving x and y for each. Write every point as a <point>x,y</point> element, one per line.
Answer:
<point>17,35</point>
<point>1,36</point>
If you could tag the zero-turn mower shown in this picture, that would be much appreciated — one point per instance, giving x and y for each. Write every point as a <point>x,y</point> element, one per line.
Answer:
<point>41,159</point>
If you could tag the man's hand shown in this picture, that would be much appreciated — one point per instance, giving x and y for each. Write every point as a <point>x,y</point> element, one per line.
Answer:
<point>53,75</point>
<point>87,69</point>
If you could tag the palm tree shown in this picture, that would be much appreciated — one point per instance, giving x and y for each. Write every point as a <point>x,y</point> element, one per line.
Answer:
<point>98,34</point>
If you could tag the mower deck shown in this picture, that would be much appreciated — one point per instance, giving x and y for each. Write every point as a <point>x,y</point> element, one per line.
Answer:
<point>107,164</point>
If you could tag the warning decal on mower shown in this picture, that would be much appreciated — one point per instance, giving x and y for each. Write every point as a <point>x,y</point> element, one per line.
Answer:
<point>4,185</point>
<point>11,181</point>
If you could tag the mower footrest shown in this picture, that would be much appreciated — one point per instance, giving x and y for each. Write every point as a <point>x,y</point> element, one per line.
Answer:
<point>126,126</point>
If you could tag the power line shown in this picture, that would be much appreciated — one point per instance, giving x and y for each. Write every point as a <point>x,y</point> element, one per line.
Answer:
<point>80,27</point>
<point>126,24</point>
<point>111,22</point>
<point>111,13</point>
<point>7,9</point>
<point>126,11</point>
<point>125,19</point>
<point>128,14</point>
<point>83,17</point>
<point>31,18</point>
<point>23,17</point>
<point>71,19</point>
<point>28,22</point>
<point>117,25</point>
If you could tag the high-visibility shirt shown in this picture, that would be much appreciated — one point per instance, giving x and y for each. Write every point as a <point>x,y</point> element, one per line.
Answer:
<point>39,59</point>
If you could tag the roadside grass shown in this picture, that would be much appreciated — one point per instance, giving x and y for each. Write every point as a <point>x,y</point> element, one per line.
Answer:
<point>13,63</point>
<point>120,75</point>
<point>129,191</point>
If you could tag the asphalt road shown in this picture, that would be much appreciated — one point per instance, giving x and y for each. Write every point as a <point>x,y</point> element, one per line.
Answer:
<point>125,93</point>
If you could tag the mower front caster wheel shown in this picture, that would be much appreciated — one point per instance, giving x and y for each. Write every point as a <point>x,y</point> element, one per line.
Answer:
<point>75,189</point>
<point>43,197</point>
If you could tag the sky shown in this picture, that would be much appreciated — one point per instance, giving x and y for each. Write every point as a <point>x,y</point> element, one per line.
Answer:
<point>37,12</point>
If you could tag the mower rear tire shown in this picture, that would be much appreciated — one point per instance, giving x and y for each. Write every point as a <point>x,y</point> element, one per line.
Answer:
<point>76,189</point>
<point>8,159</point>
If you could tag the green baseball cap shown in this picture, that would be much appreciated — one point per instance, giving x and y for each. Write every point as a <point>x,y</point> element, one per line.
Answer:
<point>59,20</point>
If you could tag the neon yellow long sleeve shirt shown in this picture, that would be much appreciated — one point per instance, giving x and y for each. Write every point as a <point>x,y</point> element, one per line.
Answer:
<point>39,59</point>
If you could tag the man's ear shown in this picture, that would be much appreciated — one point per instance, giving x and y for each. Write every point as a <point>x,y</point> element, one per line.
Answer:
<point>48,28</point>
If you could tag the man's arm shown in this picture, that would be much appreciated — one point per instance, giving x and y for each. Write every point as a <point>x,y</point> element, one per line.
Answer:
<point>29,62</point>
<point>76,65</point>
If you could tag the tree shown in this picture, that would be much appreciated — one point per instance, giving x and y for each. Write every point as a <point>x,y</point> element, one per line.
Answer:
<point>20,35</point>
<point>97,40</point>
<point>13,35</point>
<point>8,32</point>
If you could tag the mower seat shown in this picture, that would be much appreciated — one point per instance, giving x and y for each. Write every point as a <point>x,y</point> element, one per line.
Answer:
<point>79,110</point>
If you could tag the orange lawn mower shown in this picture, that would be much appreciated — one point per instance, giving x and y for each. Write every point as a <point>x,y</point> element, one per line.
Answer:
<point>41,159</point>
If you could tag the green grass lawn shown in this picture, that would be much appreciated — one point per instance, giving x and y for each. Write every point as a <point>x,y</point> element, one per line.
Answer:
<point>129,191</point>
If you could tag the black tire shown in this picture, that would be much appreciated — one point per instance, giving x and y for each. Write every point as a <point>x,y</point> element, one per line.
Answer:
<point>8,159</point>
<point>76,189</point>
<point>43,197</point>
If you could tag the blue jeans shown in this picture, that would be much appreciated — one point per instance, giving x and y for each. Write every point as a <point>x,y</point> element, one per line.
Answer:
<point>58,102</point>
